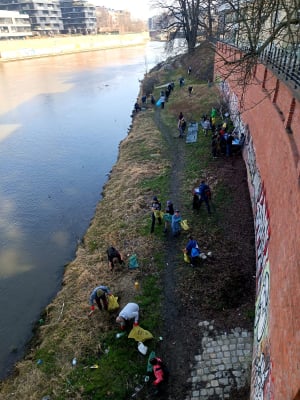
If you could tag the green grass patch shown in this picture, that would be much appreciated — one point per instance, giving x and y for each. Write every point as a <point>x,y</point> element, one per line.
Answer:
<point>157,184</point>
<point>120,369</point>
<point>120,366</point>
<point>46,360</point>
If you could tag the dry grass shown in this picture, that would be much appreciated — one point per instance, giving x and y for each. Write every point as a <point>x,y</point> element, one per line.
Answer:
<point>124,210</point>
<point>122,219</point>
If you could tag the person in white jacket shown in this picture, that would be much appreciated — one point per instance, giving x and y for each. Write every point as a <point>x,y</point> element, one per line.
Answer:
<point>130,311</point>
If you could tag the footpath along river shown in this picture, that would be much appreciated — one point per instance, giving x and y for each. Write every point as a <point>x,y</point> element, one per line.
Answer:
<point>61,121</point>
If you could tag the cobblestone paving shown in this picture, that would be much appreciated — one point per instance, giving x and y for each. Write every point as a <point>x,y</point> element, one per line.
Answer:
<point>223,363</point>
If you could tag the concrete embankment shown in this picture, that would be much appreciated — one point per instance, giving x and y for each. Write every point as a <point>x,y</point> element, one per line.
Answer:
<point>42,47</point>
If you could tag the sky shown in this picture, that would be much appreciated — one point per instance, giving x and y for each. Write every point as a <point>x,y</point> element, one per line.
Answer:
<point>138,8</point>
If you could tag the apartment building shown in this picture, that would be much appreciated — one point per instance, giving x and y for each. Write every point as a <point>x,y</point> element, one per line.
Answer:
<point>14,25</point>
<point>78,17</point>
<point>51,17</point>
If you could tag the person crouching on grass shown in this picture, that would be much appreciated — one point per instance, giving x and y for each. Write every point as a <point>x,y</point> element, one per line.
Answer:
<point>99,295</point>
<point>129,312</point>
<point>114,257</point>
<point>161,374</point>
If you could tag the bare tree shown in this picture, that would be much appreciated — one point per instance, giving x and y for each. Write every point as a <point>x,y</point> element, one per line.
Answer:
<point>186,18</point>
<point>254,27</point>
<point>261,31</point>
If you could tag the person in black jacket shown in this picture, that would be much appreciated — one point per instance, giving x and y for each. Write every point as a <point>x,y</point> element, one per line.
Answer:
<point>156,208</point>
<point>113,257</point>
<point>169,211</point>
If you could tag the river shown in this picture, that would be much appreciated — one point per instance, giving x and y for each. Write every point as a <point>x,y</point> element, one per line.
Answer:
<point>61,121</point>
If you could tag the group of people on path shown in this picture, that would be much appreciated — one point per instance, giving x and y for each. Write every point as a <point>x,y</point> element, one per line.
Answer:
<point>222,136</point>
<point>164,94</point>
<point>171,217</point>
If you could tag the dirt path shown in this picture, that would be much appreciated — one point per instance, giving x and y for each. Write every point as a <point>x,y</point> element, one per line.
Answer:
<point>177,348</point>
<point>187,298</point>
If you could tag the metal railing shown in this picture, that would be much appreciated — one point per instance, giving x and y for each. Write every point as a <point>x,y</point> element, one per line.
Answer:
<point>281,61</point>
<point>284,62</point>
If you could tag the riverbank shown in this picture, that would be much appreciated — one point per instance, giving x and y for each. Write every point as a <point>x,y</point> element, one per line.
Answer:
<point>11,50</point>
<point>174,298</point>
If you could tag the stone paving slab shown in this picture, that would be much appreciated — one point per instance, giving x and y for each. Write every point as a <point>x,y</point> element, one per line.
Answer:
<point>223,363</point>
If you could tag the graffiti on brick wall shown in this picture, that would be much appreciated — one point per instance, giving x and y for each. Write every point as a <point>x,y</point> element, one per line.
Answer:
<point>262,235</point>
<point>261,371</point>
<point>234,108</point>
<point>262,307</point>
<point>254,175</point>
<point>261,388</point>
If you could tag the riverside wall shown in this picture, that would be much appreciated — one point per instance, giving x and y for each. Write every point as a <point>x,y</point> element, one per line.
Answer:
<point>270,121</point>
<point>42,47</point>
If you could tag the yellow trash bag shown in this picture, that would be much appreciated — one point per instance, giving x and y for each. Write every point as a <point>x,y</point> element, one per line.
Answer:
<point>112,303</point>
<point>186,258</point>
<point>158,214</point>
<point>139,334</point>
<point>184,225</point>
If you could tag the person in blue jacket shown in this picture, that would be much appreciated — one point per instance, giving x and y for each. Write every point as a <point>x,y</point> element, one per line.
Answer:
<point>204,195</point>
<point>98,295</point>
<point>175,224</point>
<point>193,250</point>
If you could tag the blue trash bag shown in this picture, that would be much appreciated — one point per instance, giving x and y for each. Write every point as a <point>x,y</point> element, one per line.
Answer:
<point>132,262</point>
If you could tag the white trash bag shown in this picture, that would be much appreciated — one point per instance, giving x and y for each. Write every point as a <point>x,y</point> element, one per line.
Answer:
<point>142,348</point>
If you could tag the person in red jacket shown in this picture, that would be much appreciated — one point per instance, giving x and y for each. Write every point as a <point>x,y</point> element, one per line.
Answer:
<point>160,373</point>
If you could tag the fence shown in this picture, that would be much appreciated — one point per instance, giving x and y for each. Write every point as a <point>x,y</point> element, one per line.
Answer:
<point>281,61</point>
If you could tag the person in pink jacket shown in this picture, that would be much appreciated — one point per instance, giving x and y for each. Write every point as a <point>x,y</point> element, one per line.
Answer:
<point>160,373</point>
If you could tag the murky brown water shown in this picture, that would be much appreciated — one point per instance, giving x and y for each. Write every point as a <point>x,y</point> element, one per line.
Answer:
<point>61,120</point>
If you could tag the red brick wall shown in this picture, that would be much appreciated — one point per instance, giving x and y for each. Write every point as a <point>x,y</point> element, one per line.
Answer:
<point>271,114</point>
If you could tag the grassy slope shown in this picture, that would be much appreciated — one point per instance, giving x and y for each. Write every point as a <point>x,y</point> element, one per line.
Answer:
<point>123,219</point>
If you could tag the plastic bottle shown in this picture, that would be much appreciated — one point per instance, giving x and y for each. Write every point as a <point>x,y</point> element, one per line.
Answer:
<point>136,285</point>
<point>118,335</point>
<point>74,361</point>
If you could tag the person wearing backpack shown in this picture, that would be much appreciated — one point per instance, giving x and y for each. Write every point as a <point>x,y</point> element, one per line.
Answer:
<point>113,257</point>
<point>204,195</point>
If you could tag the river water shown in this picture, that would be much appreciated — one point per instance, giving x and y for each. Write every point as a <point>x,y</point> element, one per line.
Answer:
<point>61,121</point>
